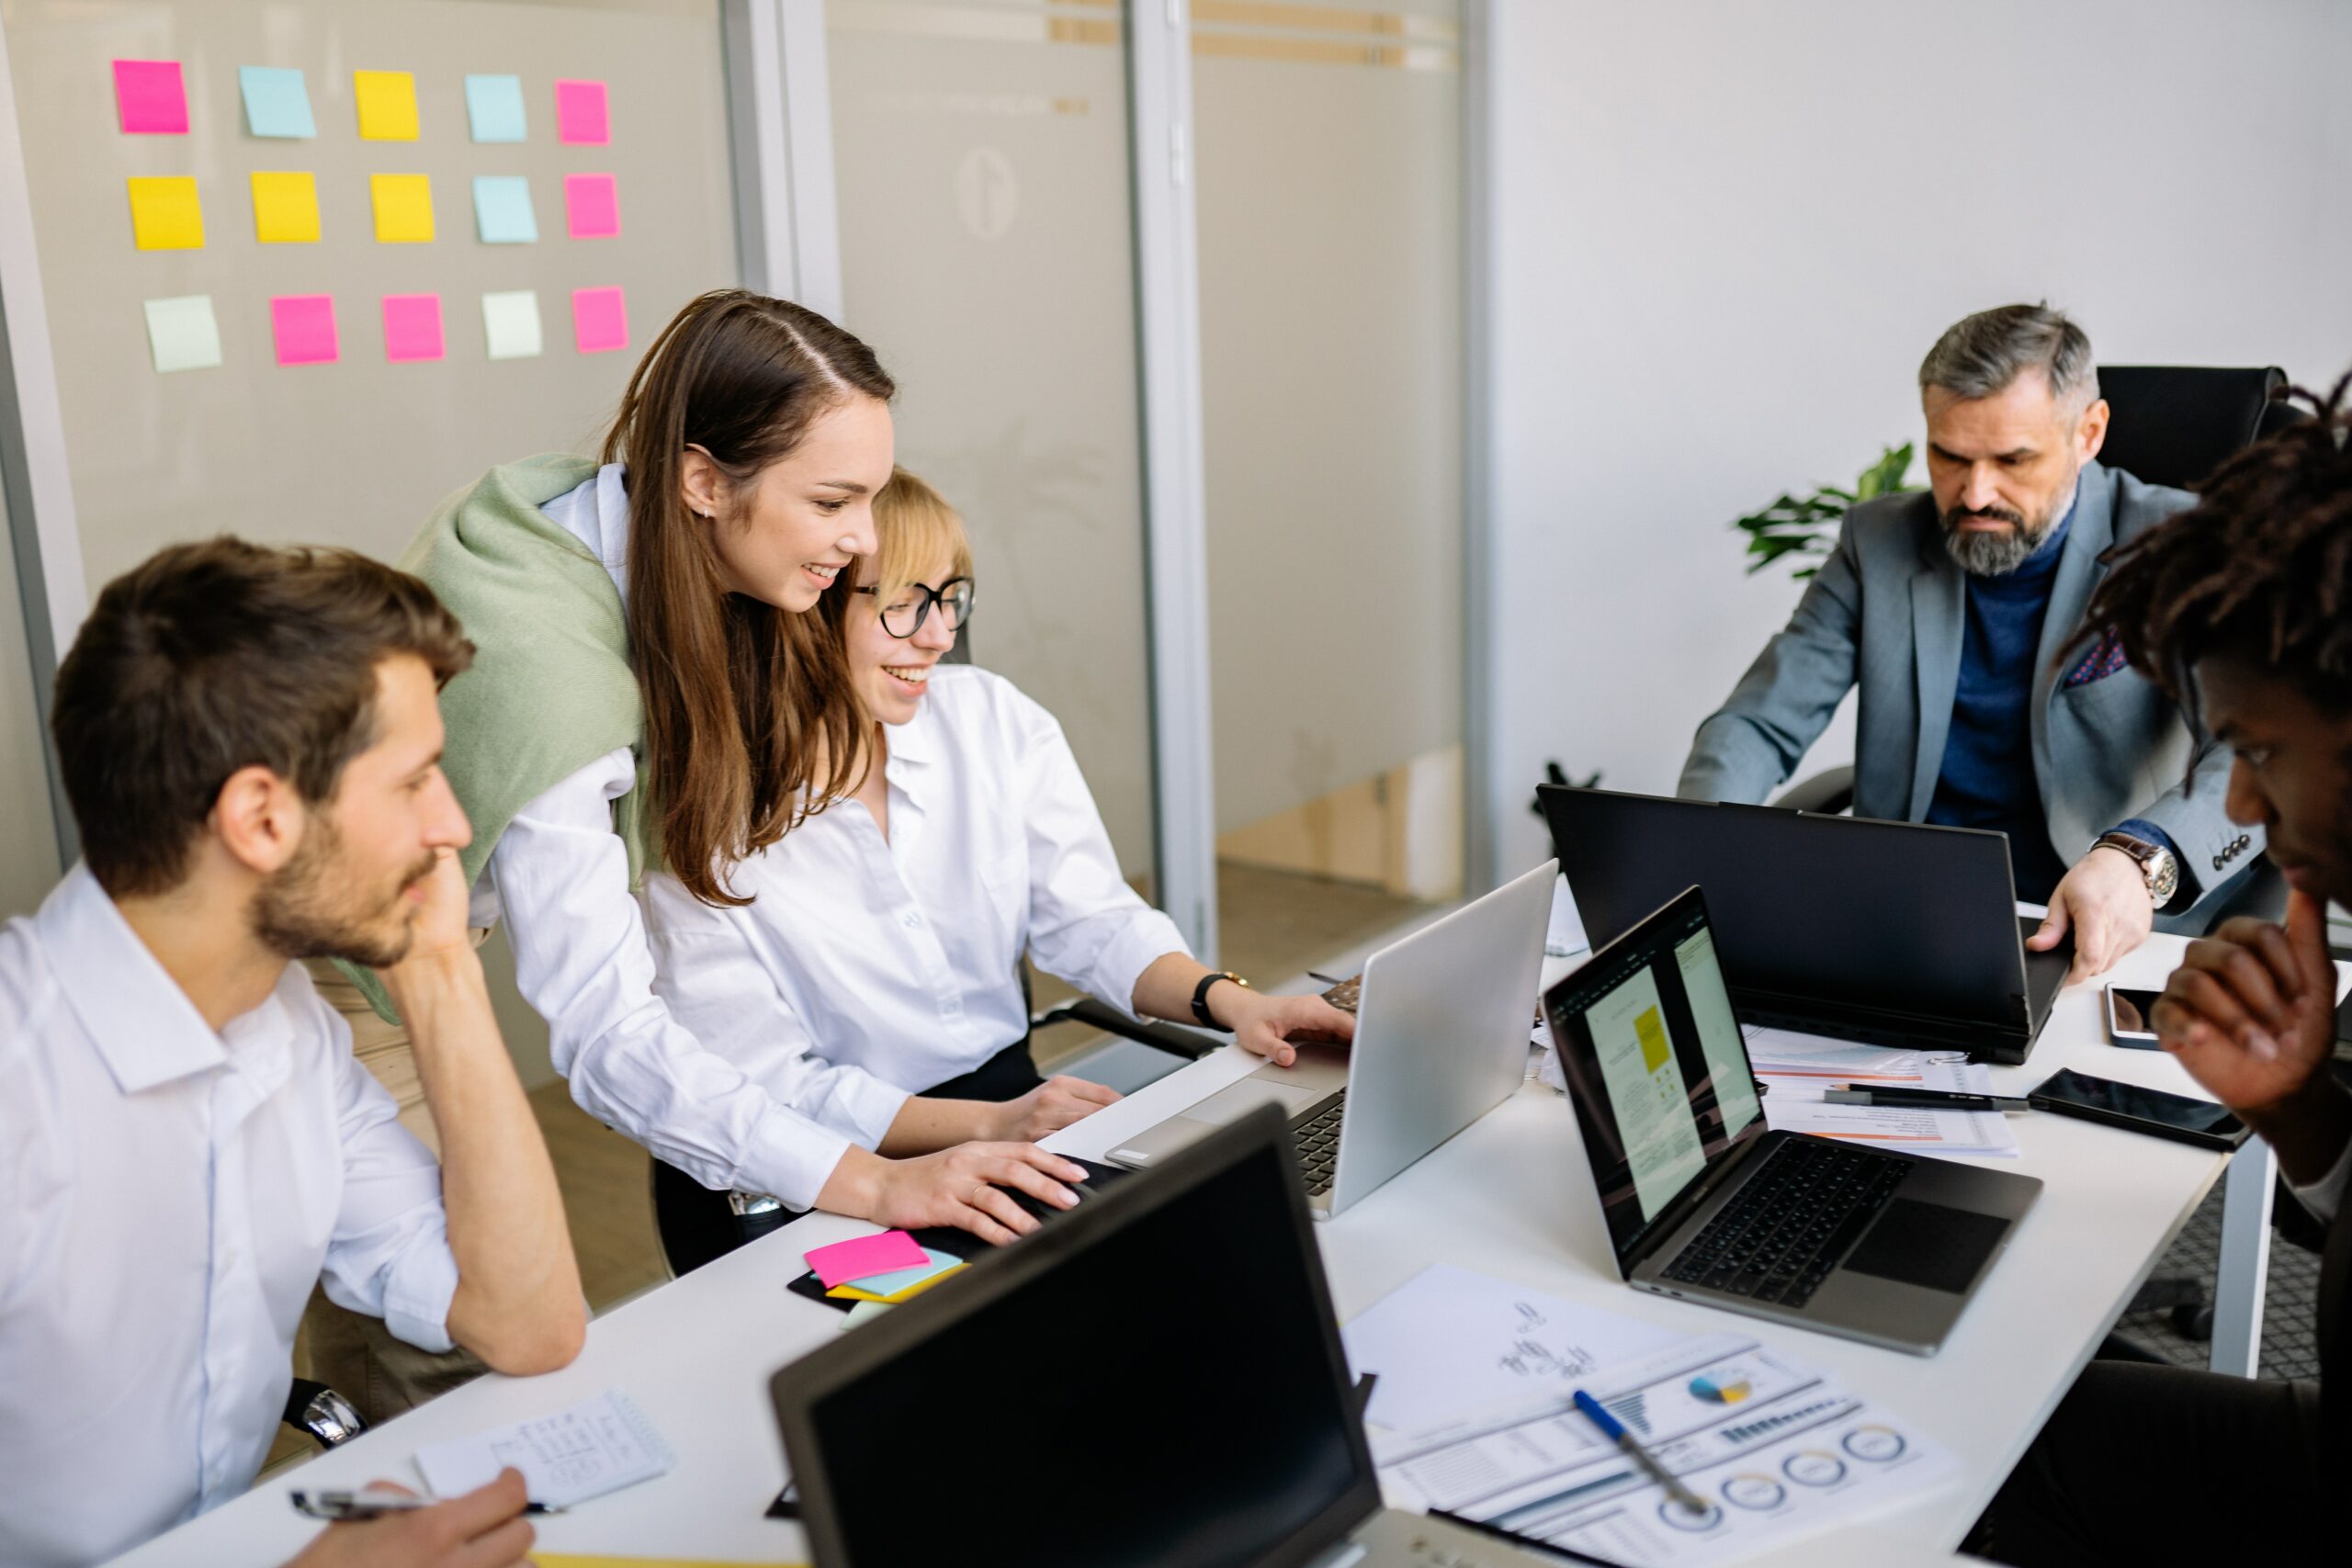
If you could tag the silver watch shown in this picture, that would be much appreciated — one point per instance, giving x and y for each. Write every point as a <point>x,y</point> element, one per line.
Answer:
<point>2158,868</point>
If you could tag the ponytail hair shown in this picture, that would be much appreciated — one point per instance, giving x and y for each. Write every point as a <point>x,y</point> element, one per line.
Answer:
<point>742,701</point>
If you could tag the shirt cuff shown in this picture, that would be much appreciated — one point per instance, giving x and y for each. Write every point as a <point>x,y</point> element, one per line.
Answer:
<point>1149,938</point>
<point>2147,832</point>
<point>864,1104</point>
<point>791,1157</point>
<point>2324,1197</point>
<point>418,1289</point>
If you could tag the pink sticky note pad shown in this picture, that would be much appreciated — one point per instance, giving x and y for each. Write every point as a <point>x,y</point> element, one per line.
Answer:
<point>591,206</point>
<point>412,328</point>
<point>580,115</point>
<point>600,323</point>
<point>151,97</point>
<point>304,327</point>
<point>865,1258</point>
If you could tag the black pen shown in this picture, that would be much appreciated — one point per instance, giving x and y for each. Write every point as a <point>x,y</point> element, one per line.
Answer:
<point>1926,1099</point>
<point>357,1507</point>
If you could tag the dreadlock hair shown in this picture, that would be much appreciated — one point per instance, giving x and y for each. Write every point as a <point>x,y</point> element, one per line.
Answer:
<point>2260,569</point>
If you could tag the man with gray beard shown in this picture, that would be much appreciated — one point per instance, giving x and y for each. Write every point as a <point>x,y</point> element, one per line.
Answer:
<point>1984,701</point>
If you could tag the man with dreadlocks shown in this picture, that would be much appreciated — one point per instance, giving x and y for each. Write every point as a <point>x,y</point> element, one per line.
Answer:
<point>2243,608</point>
<point>1948,610</point>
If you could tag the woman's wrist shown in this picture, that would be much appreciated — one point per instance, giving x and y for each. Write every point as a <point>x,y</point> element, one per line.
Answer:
<point>854,1189</point>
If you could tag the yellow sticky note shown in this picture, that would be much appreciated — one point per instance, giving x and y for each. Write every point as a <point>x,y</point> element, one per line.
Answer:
<point>851,1294</point>
<point>386,105</point>
<point>164,213</point>
<point>403,208</point>
<point>285,208</point>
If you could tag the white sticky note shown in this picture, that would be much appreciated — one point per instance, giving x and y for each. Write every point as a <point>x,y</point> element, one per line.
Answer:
<point>182,335</point>
<point>511,323</point>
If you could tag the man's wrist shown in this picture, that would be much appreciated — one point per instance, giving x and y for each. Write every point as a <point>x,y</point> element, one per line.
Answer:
<point>2308,1129</point>
<point>426,979</point>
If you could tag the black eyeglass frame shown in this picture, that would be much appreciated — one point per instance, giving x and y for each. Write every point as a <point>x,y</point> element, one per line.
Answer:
<point>939,596</point>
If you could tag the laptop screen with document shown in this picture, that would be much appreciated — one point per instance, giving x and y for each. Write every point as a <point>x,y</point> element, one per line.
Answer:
<point>1655,1060</point>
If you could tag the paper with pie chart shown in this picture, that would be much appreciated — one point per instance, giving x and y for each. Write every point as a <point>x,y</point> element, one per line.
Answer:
<point>1772,1448</point>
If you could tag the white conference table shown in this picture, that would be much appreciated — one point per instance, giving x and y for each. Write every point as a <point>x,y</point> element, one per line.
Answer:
<point>1511,1196</point>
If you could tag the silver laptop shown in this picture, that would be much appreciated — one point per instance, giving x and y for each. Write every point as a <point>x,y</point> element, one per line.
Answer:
<point>1441,1025</point>
<point>1703,1203</point>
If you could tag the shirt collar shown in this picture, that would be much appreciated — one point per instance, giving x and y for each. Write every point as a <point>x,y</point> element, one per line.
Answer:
<point>145,1028</point>
<point>912,761</point>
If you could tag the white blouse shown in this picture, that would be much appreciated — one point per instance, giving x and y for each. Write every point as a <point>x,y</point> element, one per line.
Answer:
<point>560,879</point>
<point>865,969</point>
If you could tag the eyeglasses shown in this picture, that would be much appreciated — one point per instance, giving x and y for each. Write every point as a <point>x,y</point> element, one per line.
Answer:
<point>905,618</point>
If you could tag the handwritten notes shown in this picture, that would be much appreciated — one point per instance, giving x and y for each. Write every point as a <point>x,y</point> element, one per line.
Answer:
<point>598,1446</point>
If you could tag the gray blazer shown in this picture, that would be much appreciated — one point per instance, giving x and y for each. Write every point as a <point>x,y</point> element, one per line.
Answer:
<point>1886,612</point>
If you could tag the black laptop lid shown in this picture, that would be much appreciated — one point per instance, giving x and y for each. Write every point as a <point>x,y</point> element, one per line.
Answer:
<point>1815,915</point>
<point>1156,1379</point>
<point>1657,1065</point>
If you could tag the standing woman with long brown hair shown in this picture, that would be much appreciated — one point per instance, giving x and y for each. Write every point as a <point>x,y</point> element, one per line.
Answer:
<point>652,688</point>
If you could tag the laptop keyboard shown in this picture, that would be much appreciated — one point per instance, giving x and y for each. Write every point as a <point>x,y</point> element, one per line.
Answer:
<point>1786,1228</point>
<point>1319,1146</point>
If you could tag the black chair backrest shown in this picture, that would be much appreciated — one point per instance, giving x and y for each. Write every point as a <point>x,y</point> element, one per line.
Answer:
<point>2174,425</point>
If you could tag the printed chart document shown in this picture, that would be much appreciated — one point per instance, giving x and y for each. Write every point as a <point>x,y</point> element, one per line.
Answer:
<point>1449,1343</point>
<point>1771,1448</point>
<point>598,1446</point>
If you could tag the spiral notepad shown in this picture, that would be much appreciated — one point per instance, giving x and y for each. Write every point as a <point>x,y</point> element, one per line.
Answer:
<point>598,1446</point>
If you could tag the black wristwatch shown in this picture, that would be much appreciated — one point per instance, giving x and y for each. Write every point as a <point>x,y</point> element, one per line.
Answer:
<point>1201,997</point>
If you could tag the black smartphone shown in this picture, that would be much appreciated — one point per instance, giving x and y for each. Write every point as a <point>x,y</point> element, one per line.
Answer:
<point>2127,1017</point>
<point>2149,1111</point>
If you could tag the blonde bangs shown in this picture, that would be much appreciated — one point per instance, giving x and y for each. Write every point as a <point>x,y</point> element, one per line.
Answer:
<point>914,527</point>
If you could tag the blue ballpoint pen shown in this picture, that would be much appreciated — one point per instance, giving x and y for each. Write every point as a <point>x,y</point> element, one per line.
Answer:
<point>1614,1430</point>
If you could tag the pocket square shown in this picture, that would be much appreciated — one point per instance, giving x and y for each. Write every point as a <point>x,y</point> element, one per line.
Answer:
<point>2104,659</point>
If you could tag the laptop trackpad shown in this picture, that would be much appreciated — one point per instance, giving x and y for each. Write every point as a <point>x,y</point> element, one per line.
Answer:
<point>1236,1101</point>
<point>1930,1245</point>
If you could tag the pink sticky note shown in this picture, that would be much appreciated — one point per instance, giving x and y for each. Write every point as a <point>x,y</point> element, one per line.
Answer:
<point>580,116</point>
<point>151,97</point>
<point>600,323</point>
<point>865,1258</point>
<point>412,327</point>
<point>592,205</point>
<point>304,327</point>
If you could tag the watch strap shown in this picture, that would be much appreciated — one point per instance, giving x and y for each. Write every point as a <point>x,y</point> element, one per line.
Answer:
<point>2150,858</point>
<point>1201,997</point>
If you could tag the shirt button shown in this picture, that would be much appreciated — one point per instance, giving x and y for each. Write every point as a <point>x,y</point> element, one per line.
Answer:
<point>914,920</point>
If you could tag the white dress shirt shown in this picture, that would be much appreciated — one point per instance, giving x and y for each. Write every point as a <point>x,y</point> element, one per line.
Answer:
<point>172,1194</point>
<point>558,879</point>
<point>863,968</point>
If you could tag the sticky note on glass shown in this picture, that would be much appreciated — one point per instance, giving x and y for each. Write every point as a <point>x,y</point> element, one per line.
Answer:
<point>503,214</point>
<point>277,103</point>
<point>591,206</point>
<point>164,215</point>
<point>412,328</point>
<point>864,1257</point>
<point>580,120</point>
<point>510,321</point>
<point>303,325</point>
<point>285,208</point>
<point>403,208</point>
<point>386,105</point>
<point>182,335</point>
<point>152,98</point>
<point>494,107</point>
<point>600,324</point>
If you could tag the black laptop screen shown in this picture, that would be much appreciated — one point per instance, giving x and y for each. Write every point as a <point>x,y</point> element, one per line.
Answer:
<point>1169,1395</point>
<point>1655,1063</point>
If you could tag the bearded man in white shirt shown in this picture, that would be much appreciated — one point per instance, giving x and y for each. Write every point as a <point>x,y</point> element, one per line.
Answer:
<point>250,740</point>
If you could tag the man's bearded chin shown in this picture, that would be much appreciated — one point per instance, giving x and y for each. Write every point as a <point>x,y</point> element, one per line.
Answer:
<point>308,909</point>
<point>1996,552</point>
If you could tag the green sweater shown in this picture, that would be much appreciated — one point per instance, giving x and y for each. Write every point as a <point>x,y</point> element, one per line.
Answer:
<point>552,688</point>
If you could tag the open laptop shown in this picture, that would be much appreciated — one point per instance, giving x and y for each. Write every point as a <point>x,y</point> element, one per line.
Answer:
<point>1442,1024</point>
<point>1702,1201</point>
<point>1893,933</point>
<point>1201,1417</point>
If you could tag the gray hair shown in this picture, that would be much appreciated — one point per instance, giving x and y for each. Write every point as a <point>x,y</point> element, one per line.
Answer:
<point>1980,355</point>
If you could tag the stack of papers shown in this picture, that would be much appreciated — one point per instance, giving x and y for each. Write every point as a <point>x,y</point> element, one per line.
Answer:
<point>1800,1067</point>
<point>877,1272</point>
<point>1772,1448</point>
<point>599,1446</point>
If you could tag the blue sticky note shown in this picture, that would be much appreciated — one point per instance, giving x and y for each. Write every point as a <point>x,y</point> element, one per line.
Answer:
<point>934,1262</point>
<point>277,103</point>
<point>503,211</point>
<point>494,107</point>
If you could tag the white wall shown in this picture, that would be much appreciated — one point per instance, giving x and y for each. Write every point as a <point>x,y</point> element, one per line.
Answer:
<point>1726,233</point>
